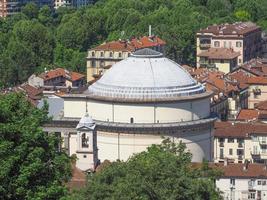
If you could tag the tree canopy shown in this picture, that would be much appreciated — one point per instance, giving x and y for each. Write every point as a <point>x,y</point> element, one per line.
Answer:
<point>61,38</point>
<point>162,172</point>
<point>31,167</point>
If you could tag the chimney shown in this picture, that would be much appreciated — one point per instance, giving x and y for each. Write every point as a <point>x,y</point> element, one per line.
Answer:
<point>150,32</point>
<point>245,167</point>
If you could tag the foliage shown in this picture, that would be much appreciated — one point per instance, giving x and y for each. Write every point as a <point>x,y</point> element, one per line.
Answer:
<point>72,32</point>
<point>30,165</point>
<point>162,172</point>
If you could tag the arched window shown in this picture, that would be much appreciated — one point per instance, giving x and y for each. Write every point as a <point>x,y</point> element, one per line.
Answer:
<point>132,120</point>
<point>93,54</point>
<point>85,141</point>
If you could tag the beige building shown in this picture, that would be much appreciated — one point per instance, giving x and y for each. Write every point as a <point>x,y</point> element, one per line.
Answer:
<point>102,57</point>
<point>242,37</point>
<point>257,90</point>
<point>238,142</point>
<point>223,59</point>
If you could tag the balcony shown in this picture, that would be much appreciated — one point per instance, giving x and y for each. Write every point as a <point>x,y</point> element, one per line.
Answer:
<point>204,45</point>
<point>263,142</point>
<point>207,65</point>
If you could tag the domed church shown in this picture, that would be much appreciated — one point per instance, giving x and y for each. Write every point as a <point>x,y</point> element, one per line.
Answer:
<point>139,101</point>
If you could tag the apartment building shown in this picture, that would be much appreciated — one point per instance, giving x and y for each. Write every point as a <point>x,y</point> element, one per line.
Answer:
<point>243,38</point>
<point>242,181</point>
<point>239,141</point>
<point>102,57</point>
<point>10,7</point>
<point>57,77</point>
<point>223,59</point>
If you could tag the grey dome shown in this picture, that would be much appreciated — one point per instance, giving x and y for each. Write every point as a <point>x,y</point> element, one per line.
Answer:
<point>146,74</point>
<point>86,122</point>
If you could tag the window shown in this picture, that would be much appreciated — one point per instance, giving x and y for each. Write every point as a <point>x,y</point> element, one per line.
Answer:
<point>230,44</point>
<point>230,151</point>
<point>231,140</point>
<point>102,54</point>
<point>120,55</point>
<point>216,44</point>
<point>232,181</point>
<point>93,63</point>
<point>252,195</point>
<point>222,61</point>
<point>93,54</point>
<point>240,152</point>
<point>259,182</point>
<point>238,44</point>
<point>239,61</point>
<point>85,141</point>
<point>110,54</point>
<point>129,54</point>
<point>224,44</point>
<point>263,182</point>
<point>102,64</point>
<point>132,120</point>
<point>221,153</point>
<point>221,139</point>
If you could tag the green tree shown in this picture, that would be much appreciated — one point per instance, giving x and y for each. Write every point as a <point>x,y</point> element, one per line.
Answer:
<point>30,10</point>
<point>31,167</point>
<point>162,172</point>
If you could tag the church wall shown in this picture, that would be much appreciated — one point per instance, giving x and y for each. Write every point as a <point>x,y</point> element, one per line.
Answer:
<point>113,146</point>
<point>141,113</point>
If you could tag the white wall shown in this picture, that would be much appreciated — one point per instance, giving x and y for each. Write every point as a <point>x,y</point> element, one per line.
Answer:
<point>142,113</point>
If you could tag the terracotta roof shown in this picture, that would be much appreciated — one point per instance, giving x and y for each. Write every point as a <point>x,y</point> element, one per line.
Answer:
<point>241,77</point>
<point>238,170</point>
<point>258,80</point>
<point>247,114</point>
<point>238,28</point>
<point>60,72</point>
<point>257,67</point>
<point>238,129</point>
<point>262,105</point>
<point>219,53</point>
<point>145,42</point>
<point>115,46</point>
<point>132,45</point>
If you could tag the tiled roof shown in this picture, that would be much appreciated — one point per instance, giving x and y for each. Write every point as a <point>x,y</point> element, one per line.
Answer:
<point>60,72</point>
<point>257,67</point>
<point>238,170</point>
<point>146,42</point>
<point>219,53</point>
<point>238,28</point>
<point>238,129</point>
<point>258,80</point>
<point>115,46</point>
<point>247,114</point>
<point>132,45</point>
<point>262,105</point>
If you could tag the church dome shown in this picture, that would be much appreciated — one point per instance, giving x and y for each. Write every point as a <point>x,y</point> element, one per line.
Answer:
<point>146,74</point>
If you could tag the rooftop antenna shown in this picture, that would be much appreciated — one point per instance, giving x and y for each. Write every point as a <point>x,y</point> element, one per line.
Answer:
<point>149,33</point>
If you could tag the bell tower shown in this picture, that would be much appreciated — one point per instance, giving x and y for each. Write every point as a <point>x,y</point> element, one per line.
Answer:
<point>86,144</point>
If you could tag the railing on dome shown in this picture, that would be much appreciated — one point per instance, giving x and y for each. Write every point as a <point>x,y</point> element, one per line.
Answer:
<point>153,92</point>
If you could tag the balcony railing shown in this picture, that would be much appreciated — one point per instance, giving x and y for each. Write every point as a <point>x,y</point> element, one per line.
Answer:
<point>204,45</point>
